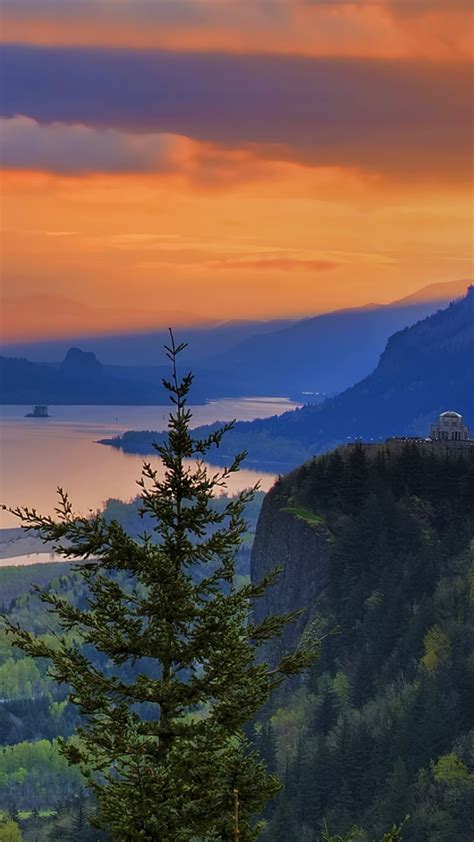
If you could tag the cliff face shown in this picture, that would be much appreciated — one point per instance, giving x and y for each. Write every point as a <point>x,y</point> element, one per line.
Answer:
<point>312,512</point>
<point>289,538</point>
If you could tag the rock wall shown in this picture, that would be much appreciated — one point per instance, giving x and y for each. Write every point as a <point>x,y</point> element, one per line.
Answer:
<point>300,548</point>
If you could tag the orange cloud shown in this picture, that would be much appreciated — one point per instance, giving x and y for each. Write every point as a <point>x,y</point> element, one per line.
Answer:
<point>277,264</point>
<point>388,28</point>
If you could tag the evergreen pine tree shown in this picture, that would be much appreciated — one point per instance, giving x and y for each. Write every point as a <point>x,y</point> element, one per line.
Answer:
<point>167,600</point>
<point>80,829</point>
<point>398,793</point>
<point>357,479</point>
<point>13,813</point>
<point>325,713</point>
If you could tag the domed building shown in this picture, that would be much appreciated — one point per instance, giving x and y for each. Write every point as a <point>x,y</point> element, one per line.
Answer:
<point>450,426</point>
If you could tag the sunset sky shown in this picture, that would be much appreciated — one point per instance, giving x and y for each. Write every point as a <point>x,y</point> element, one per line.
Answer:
<point>177,161</point>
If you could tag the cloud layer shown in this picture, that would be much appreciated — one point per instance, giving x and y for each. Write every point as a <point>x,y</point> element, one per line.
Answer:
<point>63,148</point>
<point>310,27</point>
<point>410,118</point>
<point>239,157</point>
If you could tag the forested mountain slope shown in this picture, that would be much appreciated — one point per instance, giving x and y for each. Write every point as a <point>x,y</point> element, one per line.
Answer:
<point>330,352</point>
<point>377,544</point>
<point>424,370</point>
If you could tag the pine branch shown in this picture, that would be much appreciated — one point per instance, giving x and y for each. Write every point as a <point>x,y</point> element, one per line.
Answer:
<point>161,656</point>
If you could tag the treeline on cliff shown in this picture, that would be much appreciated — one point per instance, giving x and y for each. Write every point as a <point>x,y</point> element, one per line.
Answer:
<point>383,727</point>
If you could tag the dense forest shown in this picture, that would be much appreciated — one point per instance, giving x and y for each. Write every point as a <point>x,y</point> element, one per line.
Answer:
<point>38,790</point>
<point>383,726</point>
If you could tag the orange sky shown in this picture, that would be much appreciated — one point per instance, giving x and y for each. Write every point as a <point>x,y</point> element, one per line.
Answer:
<point>145,188</point>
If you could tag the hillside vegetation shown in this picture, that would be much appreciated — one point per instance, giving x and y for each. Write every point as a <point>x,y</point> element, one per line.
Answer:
<point>383,727</point>
<point>35,780</point>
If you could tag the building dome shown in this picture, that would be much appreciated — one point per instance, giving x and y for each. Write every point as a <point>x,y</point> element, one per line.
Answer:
<point>449,427</point>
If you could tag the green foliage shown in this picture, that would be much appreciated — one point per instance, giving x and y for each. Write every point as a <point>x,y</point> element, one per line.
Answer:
<point>35,773</point>
<point>444,796</point>
<point>386,715</point>
<point>358,835</point>
<point>17,580</point>
<point>10,832</point>
<point>134,521</point>
<point>437,650</point>
<point>161,657</point>
<point>450,769</point>
<point>21,679</point>
<point>304,514</point>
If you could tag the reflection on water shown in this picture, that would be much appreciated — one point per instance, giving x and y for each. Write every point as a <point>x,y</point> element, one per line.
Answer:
<point>37,455</point>
<point>31,558</point>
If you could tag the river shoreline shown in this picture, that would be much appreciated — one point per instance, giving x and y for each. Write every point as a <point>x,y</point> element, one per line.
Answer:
<point>15,542</point>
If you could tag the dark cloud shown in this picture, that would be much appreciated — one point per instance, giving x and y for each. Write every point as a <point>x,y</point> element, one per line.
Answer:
<point>391,116</point>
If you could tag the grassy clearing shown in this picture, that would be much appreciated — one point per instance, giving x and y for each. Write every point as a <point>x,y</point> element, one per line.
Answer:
<point>304,514</point>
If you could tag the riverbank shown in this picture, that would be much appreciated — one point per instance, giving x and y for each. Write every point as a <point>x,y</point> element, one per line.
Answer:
<point>266,453</point>
<point>16,542</point>
<point>39,456</point>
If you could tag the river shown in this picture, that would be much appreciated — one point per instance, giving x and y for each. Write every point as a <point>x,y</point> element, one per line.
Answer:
<point>37,455</point>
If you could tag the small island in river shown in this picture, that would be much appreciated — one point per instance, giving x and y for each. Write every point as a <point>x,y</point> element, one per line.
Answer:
<point>39,411</point>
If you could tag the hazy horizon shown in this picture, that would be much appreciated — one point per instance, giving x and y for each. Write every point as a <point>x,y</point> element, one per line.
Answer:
<point>441,291</point>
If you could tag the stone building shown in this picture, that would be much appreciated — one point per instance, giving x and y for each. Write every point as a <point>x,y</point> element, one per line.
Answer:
<point>450,426</point>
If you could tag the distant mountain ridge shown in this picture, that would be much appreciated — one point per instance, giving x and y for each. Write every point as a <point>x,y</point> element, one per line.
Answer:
<point>79,379</point>
<point>293,358</point>
<point>330,352</point>
<point>425,369</point>
<point>145,349</point>
<point>314,355</point>
<point>443,291</point>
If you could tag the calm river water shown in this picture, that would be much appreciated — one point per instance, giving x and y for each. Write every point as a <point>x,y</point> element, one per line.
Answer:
<point>37,455</point>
